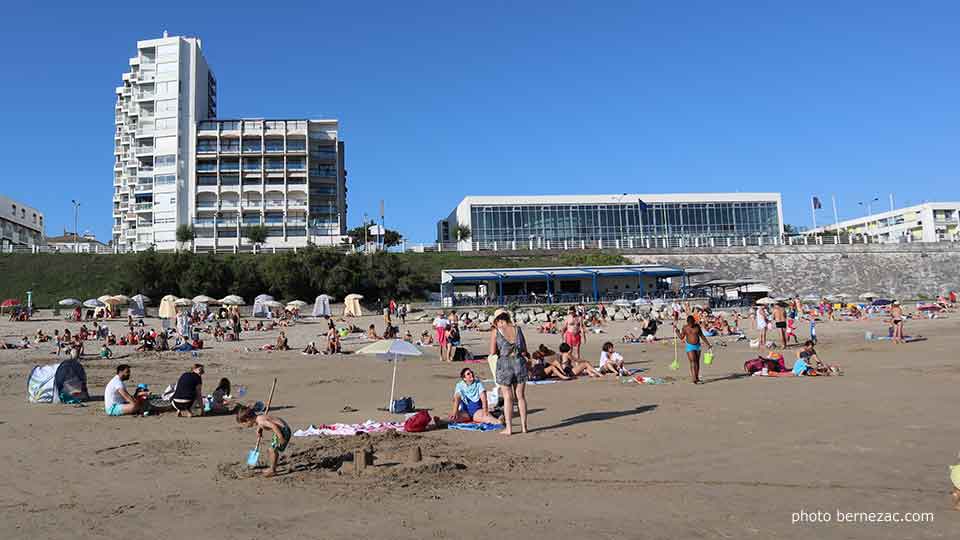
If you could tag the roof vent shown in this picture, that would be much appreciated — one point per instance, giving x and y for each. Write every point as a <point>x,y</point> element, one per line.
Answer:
<point>165,33</point>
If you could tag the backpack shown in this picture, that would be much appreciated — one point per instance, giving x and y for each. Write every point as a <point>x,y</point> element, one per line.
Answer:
<point>753,365</point>
<point>417,422</point>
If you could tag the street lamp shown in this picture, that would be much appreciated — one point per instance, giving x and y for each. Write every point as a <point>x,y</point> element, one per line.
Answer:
<point>76,226</point>
<point>869,205</point>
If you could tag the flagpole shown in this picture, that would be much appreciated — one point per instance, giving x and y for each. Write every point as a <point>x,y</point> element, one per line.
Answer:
<point>813,211</point>
<point>836,221</point>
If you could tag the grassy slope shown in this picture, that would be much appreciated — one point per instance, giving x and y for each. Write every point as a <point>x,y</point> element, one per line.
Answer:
<point>52,277</point>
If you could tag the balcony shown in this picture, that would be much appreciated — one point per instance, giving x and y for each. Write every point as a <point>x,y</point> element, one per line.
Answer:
<point>252,148</point>
<point>144,150</point>
<point>296,223</point>
<point>206,188</point>
<point>296,126</point>
<point>274,126</point>
<point>274,148</point>
<point>323,156</point>
<point>253,127</point>
<point>207,126</point>
<point>296,147</point>
<point>275,203</point>
<point>200,223</point>
<point>227,167</point>
<point>206,149</point>
<point>296,181</point>
<point>323,172</point>
<point>145,96</point>
<point>229,149</point>
<point>297,203</point>
<point>206,205</point>
<point>233,127</point>
<point>143,207</point>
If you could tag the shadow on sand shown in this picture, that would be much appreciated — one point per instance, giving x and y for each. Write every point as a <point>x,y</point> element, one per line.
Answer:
<point>597,417</point>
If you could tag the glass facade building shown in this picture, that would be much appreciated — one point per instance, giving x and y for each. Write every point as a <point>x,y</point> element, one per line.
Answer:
<point>626,219</point>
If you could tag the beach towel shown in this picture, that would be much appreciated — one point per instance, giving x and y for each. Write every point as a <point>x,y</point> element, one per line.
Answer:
<point>774,374</point>
<point>348,429</point>
<point>471,426</point>
<point>545,381</point>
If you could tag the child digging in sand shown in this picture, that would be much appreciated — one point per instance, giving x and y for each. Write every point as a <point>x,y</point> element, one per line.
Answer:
<point>281,433</point>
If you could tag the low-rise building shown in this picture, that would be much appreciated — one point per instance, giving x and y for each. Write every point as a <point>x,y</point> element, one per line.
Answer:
<point>20,225</point>
<point>927,222</point>
<point>70,242</point>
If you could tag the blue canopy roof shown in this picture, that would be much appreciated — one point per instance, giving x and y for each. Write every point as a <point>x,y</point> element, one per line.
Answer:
<point>474,275</point>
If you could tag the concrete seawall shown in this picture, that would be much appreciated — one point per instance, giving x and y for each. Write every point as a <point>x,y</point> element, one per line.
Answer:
<point>898,270</point>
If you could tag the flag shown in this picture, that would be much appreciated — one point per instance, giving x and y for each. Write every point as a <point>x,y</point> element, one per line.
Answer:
<point>816,203</point>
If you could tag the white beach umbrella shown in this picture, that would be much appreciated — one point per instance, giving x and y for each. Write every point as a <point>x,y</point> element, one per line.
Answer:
<point>298,304</point>
<point>766,300</point>
<point>391,348</point>
<point>183,302</point>
<point>120,299</point>
<point>203,299</point>
<point>232,300</point>
<point>273,304</point>
<point>869,296</point>
<point>70,302</point>
<point>93,303</point>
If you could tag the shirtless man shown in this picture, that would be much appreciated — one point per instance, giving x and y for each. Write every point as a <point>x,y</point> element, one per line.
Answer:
<point>691,334</point>
<point>780,319</point>
<point>573,334</point>
<point>896,313</point>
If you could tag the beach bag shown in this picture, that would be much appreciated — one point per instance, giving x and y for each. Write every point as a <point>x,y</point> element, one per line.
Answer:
<point>460,354</point>
<point>402,405</point>
<point>753,365</point>
<point>417,423</point>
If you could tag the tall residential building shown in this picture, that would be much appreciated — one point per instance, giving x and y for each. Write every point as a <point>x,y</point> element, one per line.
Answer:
<point>627,220</point>
<point>927,222</point>
<point>168,89</point>
<point>287,175</point>
<point>20,225</point>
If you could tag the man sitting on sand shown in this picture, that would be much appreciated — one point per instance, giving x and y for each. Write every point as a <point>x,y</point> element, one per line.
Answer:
<point>116,400</point>
<point>470,401</point>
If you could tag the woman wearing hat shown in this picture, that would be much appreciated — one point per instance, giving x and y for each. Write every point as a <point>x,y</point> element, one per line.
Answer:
<point>508,344</point>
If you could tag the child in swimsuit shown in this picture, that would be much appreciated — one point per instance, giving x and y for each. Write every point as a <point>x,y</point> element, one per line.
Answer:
<point>281,434</point>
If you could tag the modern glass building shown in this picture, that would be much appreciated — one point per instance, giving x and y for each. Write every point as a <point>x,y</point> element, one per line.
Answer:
<point>629,220</point>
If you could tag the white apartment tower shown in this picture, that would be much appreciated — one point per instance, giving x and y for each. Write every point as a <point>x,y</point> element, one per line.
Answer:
<point>168,89</point>
<point>286,175</point>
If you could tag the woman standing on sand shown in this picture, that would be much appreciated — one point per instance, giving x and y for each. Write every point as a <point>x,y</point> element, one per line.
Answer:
<point>506,341</point>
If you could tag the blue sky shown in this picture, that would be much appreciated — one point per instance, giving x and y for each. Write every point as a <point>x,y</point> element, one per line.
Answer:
<point>439,100</point>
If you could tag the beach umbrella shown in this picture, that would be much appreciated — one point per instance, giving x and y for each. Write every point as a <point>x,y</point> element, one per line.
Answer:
<point>298,304</point>
<point>391,348</point>
<point>121,299</point>
<point>70,302</point>
<point>869,296</point>
<point>881,302</point>
<point>93,303</point>
<point>621,303</point>
<point>232,300</point>
<point>104,298</point>
<point>811,298</point>
<point>183,302</point>
<point>109,300</point>
<point>766,300</point>
<point>203,299</point>
<point>10,302</point>
<point>141,298</point>
<point>273,304</point>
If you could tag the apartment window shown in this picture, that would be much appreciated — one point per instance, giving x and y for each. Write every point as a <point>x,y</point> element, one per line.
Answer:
<point>165,160</point>
<point>274,164</point>
<point>296,164</point>
<point>167,88</point>
<point>166,106</point>
<point>165,179</point>
<point>166,123</point>
<point>14,211</point>
<point>167,67</point>
<point>34,218</point>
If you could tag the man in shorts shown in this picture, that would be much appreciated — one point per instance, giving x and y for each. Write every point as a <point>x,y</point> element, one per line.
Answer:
<point>116,400</point>
<point>573,331</point>
<point>780,321</point>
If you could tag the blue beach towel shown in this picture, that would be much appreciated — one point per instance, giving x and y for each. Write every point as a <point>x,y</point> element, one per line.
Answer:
<point>474,427</point>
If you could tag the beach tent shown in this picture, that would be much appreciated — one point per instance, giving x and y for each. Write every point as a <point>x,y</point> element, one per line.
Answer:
<point>136,308</point>
<point>204,299</point>
<point>168,308</point>
<point>46,384</point>
<point>321,306</point>
<point>260,308</point>
<point>351,305</point>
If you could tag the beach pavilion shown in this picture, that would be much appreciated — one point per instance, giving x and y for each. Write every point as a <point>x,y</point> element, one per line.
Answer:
<point>561,284</point>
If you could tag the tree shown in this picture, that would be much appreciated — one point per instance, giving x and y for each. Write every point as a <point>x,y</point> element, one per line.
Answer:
<point>390,237</point>
<point>463,232</point>
<point>256,234</point>
<point>185,234</point>
<point>789,229</point>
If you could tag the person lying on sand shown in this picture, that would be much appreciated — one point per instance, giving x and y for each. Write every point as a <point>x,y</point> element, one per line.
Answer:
<point>281,434</point>
<point>470,401</point>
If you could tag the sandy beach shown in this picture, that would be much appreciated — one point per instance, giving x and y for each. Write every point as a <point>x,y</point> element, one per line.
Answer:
<point>733,458</point>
